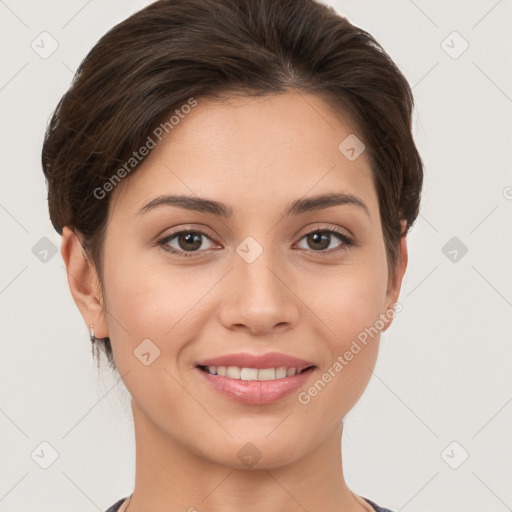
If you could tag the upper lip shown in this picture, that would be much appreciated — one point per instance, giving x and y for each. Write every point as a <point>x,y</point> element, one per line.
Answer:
<point>247,360</point>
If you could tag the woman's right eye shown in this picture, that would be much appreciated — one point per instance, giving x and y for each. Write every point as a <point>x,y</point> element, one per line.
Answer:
<point>186,239</point>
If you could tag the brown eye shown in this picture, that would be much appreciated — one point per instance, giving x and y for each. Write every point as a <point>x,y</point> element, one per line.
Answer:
<point>187,242</point>
<point>320,240</point>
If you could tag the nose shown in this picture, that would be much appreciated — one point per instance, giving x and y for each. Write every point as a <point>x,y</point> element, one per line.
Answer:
<point>259,296</point>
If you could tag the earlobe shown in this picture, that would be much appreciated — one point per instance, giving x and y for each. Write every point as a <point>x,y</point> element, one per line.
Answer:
<point>83,283</point>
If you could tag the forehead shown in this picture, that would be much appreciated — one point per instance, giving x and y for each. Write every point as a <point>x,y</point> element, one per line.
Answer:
<point>249,152</point>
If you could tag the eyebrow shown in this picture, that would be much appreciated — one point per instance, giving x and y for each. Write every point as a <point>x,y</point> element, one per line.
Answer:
<point>219,209</point>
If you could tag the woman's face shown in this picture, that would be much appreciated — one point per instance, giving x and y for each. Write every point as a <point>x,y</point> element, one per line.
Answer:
<point>260,279</point>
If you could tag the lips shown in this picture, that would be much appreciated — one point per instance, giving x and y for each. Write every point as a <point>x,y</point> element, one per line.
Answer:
<point>255,379</point>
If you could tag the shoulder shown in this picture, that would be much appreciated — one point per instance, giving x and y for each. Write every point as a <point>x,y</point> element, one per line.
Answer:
<point>115,506</point>
<point>374,505</point>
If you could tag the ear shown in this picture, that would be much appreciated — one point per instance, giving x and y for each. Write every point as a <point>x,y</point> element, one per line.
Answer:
<point>394,285</point>
<point>84,283</point>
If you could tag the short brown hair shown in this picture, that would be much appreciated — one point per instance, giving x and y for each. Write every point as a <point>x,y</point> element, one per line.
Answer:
<point>153,62</point>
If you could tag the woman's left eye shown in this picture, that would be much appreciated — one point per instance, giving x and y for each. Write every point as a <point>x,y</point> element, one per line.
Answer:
<point>319,237</point>
<point>191,240</point>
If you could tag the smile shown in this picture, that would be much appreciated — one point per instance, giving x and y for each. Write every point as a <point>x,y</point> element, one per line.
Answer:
<point>254,392</point>
<point>253,374</point>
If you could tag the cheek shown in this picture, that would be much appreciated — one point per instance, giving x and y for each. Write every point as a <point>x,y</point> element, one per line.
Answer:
<point>354,305</point>
<point>349,304</point>
<point>139,301</point>
<point>351,297</point>
<point>148,298</point>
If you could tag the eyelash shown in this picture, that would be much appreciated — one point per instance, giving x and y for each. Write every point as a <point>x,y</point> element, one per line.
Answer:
<point>347,242</point>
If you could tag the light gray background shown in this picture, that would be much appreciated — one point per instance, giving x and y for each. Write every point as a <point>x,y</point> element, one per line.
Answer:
<point>443,374</point>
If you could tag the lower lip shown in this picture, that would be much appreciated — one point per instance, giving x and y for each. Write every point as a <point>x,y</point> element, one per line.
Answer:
<point>255,391</point>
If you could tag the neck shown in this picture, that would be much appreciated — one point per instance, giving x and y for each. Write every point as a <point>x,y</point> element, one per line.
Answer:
<point>171,477</point>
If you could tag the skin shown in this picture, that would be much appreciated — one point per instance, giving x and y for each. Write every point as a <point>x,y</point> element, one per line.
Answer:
<point>256,155</point>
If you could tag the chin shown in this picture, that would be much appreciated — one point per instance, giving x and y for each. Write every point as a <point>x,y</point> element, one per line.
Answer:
<point>256,452</point>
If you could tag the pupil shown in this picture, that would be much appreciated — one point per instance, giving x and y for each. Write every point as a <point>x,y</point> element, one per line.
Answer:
<point>324,237</point>
<point>190,238</point>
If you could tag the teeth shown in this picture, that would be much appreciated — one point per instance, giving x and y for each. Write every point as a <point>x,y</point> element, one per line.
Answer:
<point>281,372</point>
<point>235,372</point>
<point>249,374</point>
<point>267,374</point>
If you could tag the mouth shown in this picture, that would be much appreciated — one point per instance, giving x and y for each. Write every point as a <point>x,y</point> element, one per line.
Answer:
<point>255,380</point>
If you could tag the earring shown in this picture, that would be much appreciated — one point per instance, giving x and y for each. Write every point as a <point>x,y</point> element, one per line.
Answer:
<point>91,334</point>
<point>94,346</point>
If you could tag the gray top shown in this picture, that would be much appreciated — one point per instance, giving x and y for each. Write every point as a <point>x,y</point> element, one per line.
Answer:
<point>115,506</point>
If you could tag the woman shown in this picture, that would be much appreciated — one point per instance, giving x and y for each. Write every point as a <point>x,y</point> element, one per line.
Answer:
<point>274,138</point>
